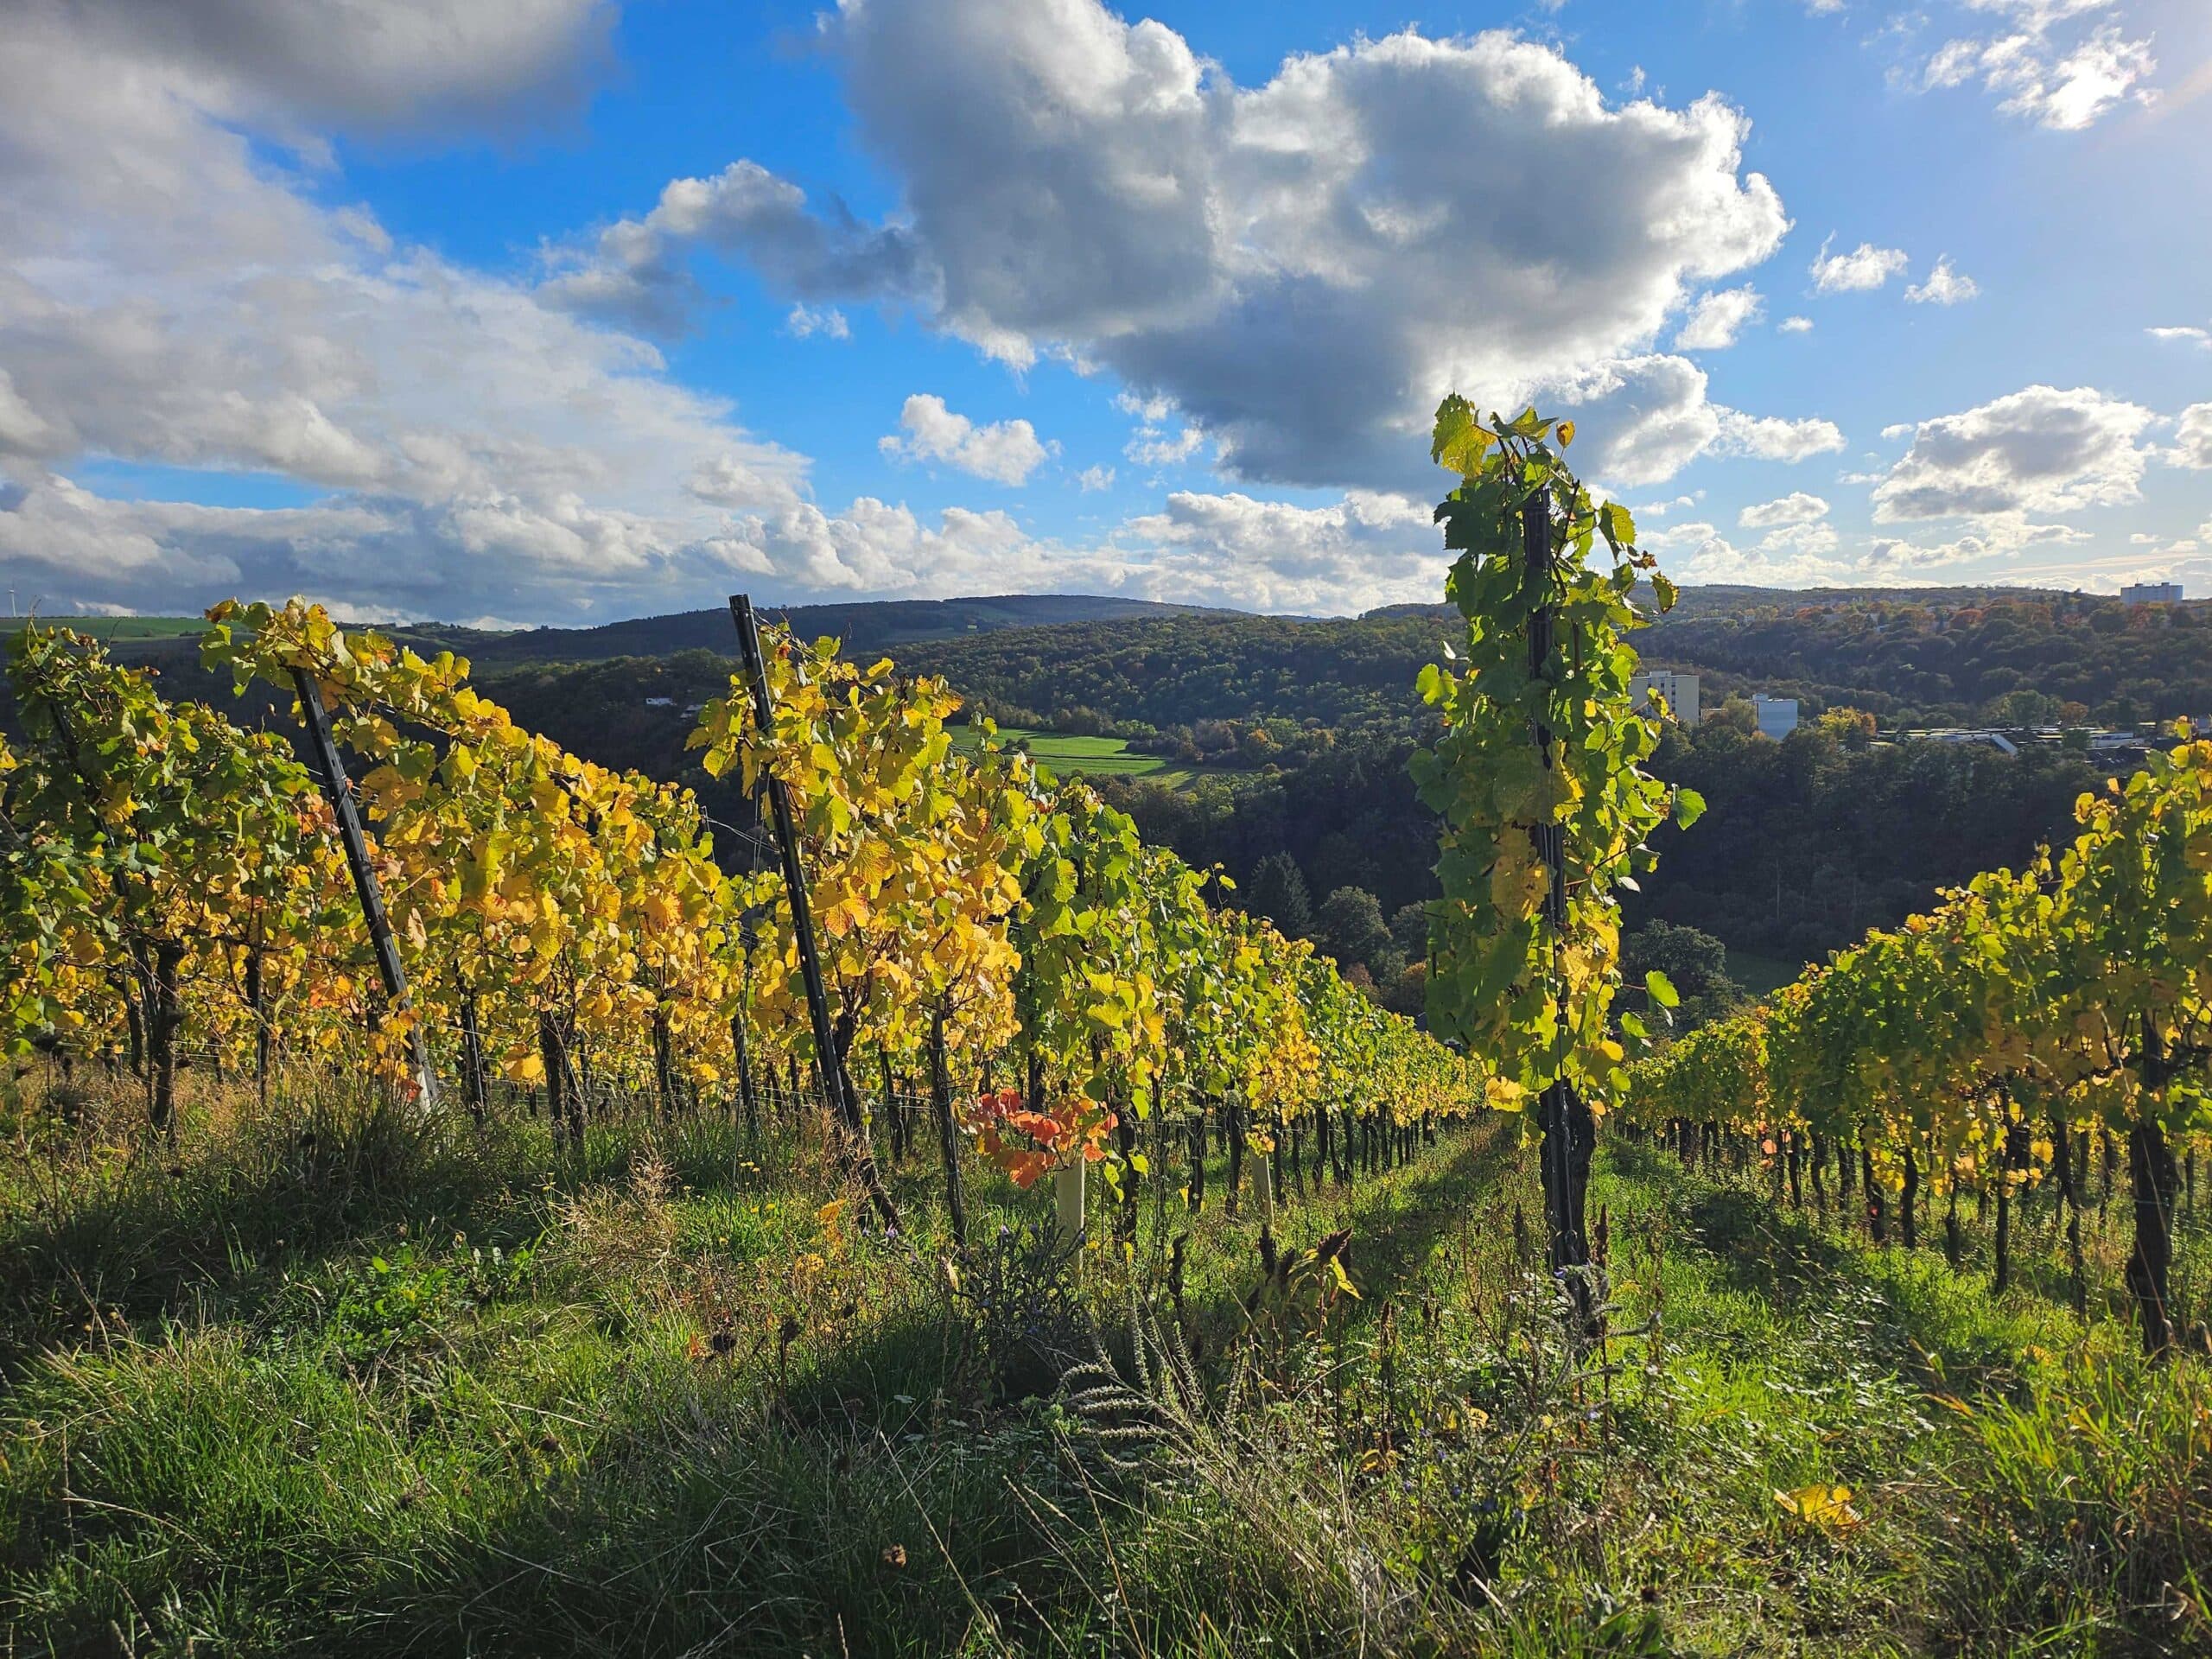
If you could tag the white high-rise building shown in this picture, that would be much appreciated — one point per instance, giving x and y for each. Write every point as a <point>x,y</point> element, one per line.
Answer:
<point>1777,715</point>
<point>2151,593</point>
<point>1677,691</point>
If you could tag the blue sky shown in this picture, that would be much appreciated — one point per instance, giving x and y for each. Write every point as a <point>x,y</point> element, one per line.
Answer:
<point>559,310</point>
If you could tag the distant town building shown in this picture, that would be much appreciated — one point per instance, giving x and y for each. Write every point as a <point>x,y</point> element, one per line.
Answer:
<point>1677,691</point>
<point>1777,715</point>
<point>2151,593</point>
<point>660,703</point>
<point>1996,741</point>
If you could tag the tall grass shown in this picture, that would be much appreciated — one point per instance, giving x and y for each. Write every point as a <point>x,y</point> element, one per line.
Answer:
<point>336,1379</point>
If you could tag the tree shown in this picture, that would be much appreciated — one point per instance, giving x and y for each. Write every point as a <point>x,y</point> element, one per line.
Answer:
<point>1734,714</point>
<point>1693,962</point>
<point>1277,890</point>
<point>1350,927</point>
<point>2025,707</point>
<point>1409,927</point>
<point>1852,728</point>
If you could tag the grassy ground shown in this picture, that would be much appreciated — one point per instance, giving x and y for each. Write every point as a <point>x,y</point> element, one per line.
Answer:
<point>329,1380</point>
<point>1097,757</point>
<point>1760,974</point>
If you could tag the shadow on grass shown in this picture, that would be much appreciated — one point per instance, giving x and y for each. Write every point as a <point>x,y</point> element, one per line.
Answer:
<point>678,1514</point>
<point>1777,1248</point>
<point>152,1237</point>
<point>989,1362</point>
<point>220,1228</point>
<point>1397,1219</point>
<point>1906,1309</point>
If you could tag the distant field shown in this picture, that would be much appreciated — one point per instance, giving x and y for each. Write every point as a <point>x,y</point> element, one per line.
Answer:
<point>1096,757</point>
<point>1759,975</point>
<point>115,627</point>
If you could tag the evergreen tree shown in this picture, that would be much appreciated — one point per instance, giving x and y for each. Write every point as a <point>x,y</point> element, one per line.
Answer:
<point>1409,927</point>
<point>1278,892</point>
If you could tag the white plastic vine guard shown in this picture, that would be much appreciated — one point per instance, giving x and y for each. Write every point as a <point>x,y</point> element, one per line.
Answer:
<point>1067,1192</point>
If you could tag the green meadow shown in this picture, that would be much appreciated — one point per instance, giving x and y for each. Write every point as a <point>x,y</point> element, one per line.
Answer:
<point>1092,757</point>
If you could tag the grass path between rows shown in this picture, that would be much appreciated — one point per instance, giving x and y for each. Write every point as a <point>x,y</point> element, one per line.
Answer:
<point>341,1387</point>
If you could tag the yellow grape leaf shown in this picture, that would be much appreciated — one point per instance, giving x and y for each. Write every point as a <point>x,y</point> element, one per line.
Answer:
<point>1517,882</point>
<point>1827,1507</point>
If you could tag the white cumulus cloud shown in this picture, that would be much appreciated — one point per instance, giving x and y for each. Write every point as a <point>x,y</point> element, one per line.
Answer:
<point>2041,449</point>
<point>1366,551</point>
<point>2193,445</point>
<point>1642,419</point>
<point>1154,446</point>
<point>638,273</point>
<point>2048,62</point>
<point>806,321</point>
<point>1767,437</point>
<point>1286,264</point>
<point>1795,508</point>
<point>382,66</point>
<point>1864,268</point>
<point>174,292</point>
<point>1944,286</point>
<point>1716,318</point>
<point>1004,452</point>
<point>1698,552</point>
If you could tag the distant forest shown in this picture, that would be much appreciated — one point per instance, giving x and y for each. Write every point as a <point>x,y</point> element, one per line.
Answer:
<point>1910,661</point>
<point>1912,658</point>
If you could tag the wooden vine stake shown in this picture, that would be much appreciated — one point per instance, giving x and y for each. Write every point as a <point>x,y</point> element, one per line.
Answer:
<point>948,1133</point>
<point>836,1089</point>
<point>330,767</point>
<point>1568,1130</point>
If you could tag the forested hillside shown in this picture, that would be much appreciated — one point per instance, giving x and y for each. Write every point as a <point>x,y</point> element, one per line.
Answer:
<point>1938,655</point>
<point>1161,673</point>
<point>863,625</point>
<point>1931,659</point>
<point>1951,655</point>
